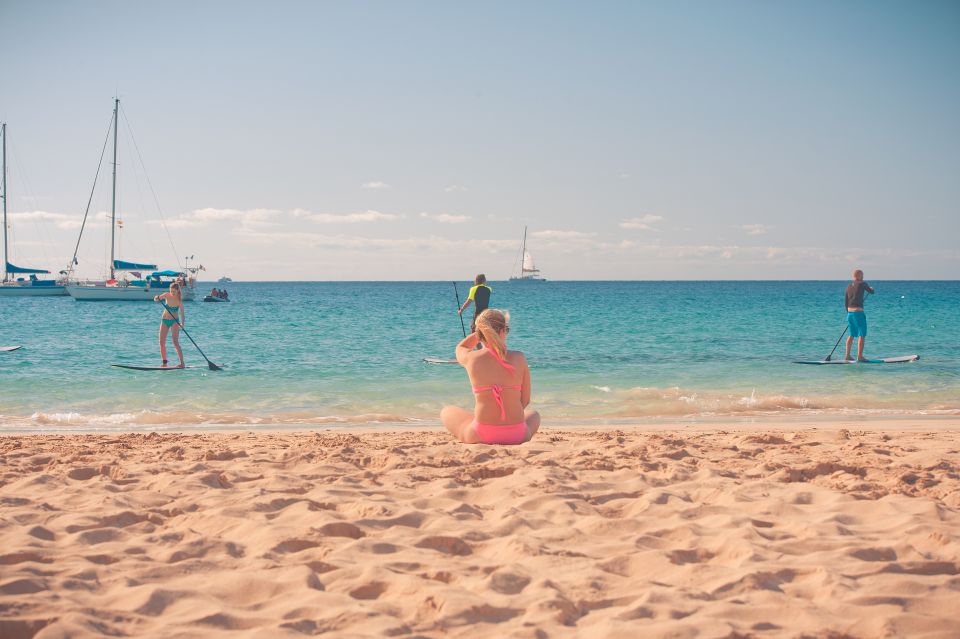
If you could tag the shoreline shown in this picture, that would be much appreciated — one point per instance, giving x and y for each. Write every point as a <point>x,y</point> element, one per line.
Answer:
<point>882,422</point>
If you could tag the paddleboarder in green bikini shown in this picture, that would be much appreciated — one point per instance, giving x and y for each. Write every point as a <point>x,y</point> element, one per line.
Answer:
<point>173,303</point>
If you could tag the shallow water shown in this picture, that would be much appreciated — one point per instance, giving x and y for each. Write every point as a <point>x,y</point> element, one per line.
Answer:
<point>351,353</point>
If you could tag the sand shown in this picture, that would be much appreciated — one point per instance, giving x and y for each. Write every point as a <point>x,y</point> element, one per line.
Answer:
<point>706,531</point>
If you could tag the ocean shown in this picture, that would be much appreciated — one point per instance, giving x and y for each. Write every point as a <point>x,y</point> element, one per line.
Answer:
<point>315,354</point>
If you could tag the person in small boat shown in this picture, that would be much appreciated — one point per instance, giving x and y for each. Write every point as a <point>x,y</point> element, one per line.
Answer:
<point>501,383</point>
<point>224,294</point>
<point>214,293</point>
<point>168,322</point>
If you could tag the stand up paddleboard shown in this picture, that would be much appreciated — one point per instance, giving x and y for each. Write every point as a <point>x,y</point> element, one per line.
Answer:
<point>882,360</point>
<point>434,360</point>
<point>156,368</point>
<point>7,349</point>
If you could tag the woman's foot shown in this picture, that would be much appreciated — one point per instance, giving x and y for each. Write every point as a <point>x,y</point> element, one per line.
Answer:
<point>181,365</point>
<point>163,363</point>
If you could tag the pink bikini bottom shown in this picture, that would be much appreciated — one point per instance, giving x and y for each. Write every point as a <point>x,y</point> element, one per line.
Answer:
<point>506,434</point>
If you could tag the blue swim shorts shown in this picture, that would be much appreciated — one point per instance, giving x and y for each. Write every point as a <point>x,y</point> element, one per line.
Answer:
<point>857,321</point>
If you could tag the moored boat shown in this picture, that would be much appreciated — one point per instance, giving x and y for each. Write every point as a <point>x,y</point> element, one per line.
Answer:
<point>125,281</point>
<point>20,286</point>
<point>528,270</point>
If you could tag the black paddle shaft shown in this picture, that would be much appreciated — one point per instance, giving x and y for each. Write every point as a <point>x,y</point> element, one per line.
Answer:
<point>210,364</point>
<point>837,344</point>
<point>457,293</point>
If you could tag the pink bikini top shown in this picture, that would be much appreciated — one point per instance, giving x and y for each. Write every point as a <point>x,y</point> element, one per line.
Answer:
<point>497,389</point>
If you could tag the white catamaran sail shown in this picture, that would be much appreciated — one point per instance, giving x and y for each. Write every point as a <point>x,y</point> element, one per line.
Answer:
<point>20,286</point>
<point>127,280</point>
<point>528,270</point>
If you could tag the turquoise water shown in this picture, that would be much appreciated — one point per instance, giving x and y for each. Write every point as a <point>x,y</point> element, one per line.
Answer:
<point>316,353</point>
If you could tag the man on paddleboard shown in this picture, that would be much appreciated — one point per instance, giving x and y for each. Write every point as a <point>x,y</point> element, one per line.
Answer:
<point>856,318</point>
<point>480,297</point>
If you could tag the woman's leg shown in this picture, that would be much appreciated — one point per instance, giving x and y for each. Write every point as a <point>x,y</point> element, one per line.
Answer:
<point>532,418</point>
<point>176,342</point>
<point>163,342</point>
<point>460,423</point>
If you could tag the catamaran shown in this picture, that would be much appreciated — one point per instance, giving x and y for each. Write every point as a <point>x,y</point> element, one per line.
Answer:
<point>528,270</point>
<point>127,280</point>
<point>11,284</point>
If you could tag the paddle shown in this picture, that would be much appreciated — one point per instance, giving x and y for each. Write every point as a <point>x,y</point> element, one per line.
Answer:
<point>457,293</point>
<point>837,344</point>
<point>212,366</point>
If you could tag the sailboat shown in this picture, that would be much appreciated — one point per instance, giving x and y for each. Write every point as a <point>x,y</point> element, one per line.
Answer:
<point>528,270</point>
<point>19,286</point>
<point>127,280</point>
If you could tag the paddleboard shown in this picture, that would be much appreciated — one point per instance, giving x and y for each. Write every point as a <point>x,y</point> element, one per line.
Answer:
<point>7,349</point>
<point>882,360</point>
<point>434,360</point>
<point>159,368</point>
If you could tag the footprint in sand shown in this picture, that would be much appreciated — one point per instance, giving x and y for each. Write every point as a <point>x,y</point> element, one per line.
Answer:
<point>372,590</point>
<point>447,545</point>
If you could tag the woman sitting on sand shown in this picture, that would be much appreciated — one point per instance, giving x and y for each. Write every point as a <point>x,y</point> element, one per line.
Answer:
<point>167,321</point>
<point>501,382</point>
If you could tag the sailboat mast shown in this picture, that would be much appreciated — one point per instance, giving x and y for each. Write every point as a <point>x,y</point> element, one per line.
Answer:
<point>113,200</point>
<point>523,254</point>
<point>6,256</point>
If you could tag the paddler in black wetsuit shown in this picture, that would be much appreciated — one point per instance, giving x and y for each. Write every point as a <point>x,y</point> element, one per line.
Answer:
<point>480,296</point>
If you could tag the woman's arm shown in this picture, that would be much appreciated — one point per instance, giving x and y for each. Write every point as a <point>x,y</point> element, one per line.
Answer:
<point>525,390</point>
<point>466,345</point>
<point>182,316</point>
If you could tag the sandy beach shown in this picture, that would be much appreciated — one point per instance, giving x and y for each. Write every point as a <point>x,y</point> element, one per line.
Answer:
<point>699,531</point>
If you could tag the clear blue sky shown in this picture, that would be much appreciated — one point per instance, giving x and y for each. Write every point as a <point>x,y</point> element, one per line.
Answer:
<point>414,140</point>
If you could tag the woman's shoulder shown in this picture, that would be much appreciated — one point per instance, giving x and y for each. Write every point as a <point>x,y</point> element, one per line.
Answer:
<point>516,357</point>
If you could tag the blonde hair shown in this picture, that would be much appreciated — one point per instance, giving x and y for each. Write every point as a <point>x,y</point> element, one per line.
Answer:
<point>489,325</point>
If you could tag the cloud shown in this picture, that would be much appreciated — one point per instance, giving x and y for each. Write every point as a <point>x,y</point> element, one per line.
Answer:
<point>347,242</point>
<point>177,223</point>
<point>350,218</point>
<point>455,188</point>
<point>445,218</point>
<point>204,217</point>
<point>561,235</point>
<point>754,229</point>
<point>245,216</point>
<point>375,185</point>
<point>642,223</point>
<point>60,220</point>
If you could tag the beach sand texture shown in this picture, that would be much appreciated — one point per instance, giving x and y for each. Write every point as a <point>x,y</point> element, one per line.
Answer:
<point>735,531</point>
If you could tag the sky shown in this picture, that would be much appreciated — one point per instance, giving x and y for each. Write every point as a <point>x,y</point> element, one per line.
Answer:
<point>416,140</point>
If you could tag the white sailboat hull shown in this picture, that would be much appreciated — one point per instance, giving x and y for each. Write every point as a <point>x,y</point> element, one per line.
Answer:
<point>101,293</point>
<point>27,290</point>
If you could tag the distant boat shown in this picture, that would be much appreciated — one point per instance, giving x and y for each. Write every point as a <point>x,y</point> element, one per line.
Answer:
<point>19,286</point>
<point>528,270</point>
<point>224,280</point>
<point>120,286</point>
